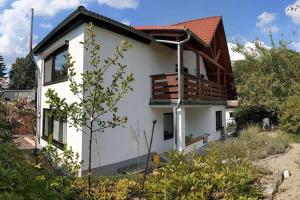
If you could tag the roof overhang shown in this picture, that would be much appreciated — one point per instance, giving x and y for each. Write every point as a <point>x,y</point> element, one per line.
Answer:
<point>80,16</point>
<point>175,33</point>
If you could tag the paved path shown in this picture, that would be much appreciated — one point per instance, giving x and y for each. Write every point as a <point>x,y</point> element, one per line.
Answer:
<point>24,141</point>
<point>290,188</point>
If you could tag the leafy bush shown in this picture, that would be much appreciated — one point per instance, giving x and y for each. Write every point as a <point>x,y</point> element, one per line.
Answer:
<point>19,179</point>
<point>23,116</point>
<point>251,144</point>
<point>66,161</point>
<point>247,115</point>
<point>290,115</point>
<point>105,188</point>
<point>190,176</point>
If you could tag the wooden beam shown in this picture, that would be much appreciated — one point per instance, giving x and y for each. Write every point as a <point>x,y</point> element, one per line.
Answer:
<point>218,76</point>
<point>206,57</point>
<point>198,65</point>
<point>218,55</point>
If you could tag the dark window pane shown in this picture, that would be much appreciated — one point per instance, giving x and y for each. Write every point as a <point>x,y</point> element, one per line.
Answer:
<point>60,70</point>
<point>48,70</point>
<point>47,124</point>
<point>56,129</point>
<point>55,126</point>
<point>168,126</point>
<point>218,120</point>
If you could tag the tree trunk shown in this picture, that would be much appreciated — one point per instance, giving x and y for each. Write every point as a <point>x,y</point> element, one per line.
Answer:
<point>90,160</point>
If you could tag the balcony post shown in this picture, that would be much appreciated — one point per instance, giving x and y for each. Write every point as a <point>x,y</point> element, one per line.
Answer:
<point>198,65</point>
<point>218,75</point>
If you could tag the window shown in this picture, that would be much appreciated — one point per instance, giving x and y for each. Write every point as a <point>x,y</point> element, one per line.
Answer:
<point>231,114</point>
<point>57,127</point>
<point>219,120</point>
<point>168,126</point>
<point>55,69</point>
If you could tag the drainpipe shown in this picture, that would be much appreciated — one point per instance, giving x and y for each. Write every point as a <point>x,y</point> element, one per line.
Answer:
<point>176,146</point>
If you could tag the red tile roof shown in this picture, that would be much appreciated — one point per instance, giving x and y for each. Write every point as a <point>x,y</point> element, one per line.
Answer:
<point>204,28</point>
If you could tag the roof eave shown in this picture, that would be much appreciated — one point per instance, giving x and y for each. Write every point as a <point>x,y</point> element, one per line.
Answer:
<point>50,38</point>
<point>188,31</point>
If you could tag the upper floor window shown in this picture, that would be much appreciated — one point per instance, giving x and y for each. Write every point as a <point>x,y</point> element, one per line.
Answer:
<point>55,69</point>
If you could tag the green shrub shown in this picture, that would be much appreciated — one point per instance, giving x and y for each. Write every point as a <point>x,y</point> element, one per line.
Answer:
<point>65,162</point>
<point>248,115</point>
<point>252,144</point>
<point>190,176</point>
<point>290,115</point>
<point>22,179</point>
<point>104,188</point>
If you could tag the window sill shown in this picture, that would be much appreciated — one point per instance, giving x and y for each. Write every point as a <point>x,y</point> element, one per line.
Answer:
<point>55,82</point>
<point>54,142</point>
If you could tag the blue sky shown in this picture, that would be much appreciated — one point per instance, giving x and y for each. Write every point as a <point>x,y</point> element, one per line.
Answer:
<point>244,20</point>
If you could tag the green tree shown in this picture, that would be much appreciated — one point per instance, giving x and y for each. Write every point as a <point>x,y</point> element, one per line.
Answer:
<point>98,92</point>
<point>22,74</point>
<point>2,67</point>
<point>290,115</point>
<point>267,76</point>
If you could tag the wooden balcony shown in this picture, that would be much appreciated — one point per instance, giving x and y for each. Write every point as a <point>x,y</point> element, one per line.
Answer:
<point>165,86</point>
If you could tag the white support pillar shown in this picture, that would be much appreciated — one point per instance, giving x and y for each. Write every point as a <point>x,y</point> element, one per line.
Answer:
<point>180,129</point>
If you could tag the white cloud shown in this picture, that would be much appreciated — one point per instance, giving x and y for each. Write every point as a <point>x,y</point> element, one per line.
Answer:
<point>265,19</point>
<point>126,22</point>
<point>3,3</point>
<point>294,13</point>
<point>265,22</point>
<point>14,24</point>
<point>250,46</point>
<point>234,56</point>
<point>45,25</point>
<point>120,4</point>
<point>296,46</point>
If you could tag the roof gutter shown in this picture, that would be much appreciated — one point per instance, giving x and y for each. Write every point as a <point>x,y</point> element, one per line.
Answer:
<point>179,46</point>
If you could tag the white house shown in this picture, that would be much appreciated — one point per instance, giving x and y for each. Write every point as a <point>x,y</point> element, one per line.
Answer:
<point>189,106</point>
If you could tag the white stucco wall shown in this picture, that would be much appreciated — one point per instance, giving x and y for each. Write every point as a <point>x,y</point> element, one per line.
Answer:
<point>74,137</point>
<point>201,120</point>
<point>143,60</point>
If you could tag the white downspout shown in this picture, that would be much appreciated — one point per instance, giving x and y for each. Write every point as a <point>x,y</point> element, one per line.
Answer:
<point>176,146</point>
<point>38,109</point>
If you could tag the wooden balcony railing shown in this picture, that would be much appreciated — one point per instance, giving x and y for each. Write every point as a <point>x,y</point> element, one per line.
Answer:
<point>165,86</point>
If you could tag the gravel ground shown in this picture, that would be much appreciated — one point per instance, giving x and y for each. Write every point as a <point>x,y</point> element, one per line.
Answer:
<point>290,188</point>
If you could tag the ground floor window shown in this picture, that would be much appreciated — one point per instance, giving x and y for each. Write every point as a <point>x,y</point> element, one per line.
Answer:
<point>231,114</point>
<point>168,126</point>
<point>55,127</point>
<point>218,120</point>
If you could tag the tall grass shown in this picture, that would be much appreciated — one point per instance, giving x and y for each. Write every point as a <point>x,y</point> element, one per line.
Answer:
<point>252,144</point>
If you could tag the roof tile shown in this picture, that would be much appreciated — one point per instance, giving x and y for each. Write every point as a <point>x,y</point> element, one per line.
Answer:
<point>204,28</point>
